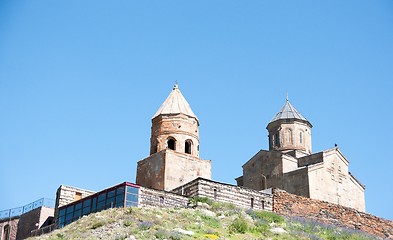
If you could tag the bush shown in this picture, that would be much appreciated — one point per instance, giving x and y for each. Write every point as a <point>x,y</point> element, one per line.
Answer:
<point>127,223</point>
<point>211,221</point>
<point>265,216</point>
<point>196,199</point>
<point>238,226</point>
<point>162,234</point>
<point>60,235</point>
<point>97,225</point>
<point>145,225</point>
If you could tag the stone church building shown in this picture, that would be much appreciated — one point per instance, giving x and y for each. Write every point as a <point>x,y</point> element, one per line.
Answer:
<point>289,164</point>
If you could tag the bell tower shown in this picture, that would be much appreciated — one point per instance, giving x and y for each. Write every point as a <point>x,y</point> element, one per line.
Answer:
<point>175,126</point>
<point>289,131</point>
<point>174,147</point>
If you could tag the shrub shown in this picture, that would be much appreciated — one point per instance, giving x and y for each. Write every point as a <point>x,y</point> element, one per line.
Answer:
<point>60,235</point>
<point>127,223</point>
<point>145,225</point>
<point>175,236</point>
<point>97,225</point>
<point>211,221</point>
<point>129,210</point>
<point>261,227</point>
<point>162,234</point>
<point>196,199</point>
<point>265,216</point>
<point>239,225</point>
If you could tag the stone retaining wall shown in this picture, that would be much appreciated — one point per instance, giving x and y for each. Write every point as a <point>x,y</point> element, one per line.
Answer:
<point>222,192</point>
<point>158,198</point>
<point>292,205</point>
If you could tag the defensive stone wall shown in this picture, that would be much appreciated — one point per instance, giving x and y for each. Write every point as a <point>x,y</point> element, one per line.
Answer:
<point>221,192</point>
<point>158,198</point>
<point>297,206</point>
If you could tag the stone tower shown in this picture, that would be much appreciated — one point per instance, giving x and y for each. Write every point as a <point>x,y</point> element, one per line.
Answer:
<point>174,147</point>
<point>290,131</point>
<point>175,126</point>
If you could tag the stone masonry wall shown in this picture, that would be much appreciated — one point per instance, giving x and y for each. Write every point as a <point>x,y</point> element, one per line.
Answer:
<point>66,195</point>
<point>28,221</point>
<point>292,205</point>
<point>157,198</point>
<point>222,192</point>
<point>13,226</point>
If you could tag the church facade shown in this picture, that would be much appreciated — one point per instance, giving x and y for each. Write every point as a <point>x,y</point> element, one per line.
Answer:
<point>289,164</point>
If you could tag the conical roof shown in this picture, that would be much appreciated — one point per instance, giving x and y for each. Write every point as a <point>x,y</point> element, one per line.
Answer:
<point>175,104</point>
<point>288,112</point>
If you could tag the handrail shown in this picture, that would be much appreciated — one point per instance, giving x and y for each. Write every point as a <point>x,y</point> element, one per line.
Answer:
<point>16,212</point>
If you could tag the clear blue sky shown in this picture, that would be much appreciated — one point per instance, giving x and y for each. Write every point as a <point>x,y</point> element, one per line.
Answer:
<point>80,81</point>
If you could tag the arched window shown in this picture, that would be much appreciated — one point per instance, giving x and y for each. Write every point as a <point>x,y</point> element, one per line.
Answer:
<point>252,202</point>
<point>301,137</point>
<point>171,144</point>
<point>215,193</point>
<point>6,232</point>
<point>187,146</point>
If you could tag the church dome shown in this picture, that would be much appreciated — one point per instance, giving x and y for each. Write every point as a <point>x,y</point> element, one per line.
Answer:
<point>289,112</point>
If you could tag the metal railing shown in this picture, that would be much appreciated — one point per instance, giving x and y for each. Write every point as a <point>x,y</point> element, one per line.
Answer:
<point>43,230</point>
<point>16,212</point>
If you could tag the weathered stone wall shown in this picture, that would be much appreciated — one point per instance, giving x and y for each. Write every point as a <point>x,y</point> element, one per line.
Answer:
<point>322,176</point>
<point>182,168</point>
<point>296,182</point>
<point>157,198</point>
<point>179,127</point>
<point>67,194</point>
<point>151,171</point>
<point>292,205</point>
<point>227,193</point>
<point>28,221</point>
<point>289,135</point>
<point>330,181</point>
<point>13,227</point>
<point>169,169</point>
<point>263,166</point>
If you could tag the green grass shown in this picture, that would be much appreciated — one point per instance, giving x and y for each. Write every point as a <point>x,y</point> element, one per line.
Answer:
<point>224,221</point>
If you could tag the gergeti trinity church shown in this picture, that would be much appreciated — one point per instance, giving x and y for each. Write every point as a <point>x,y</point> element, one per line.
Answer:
<point>288,164</point>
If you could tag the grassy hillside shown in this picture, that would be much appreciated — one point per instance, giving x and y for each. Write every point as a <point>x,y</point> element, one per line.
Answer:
<point>210,220</point>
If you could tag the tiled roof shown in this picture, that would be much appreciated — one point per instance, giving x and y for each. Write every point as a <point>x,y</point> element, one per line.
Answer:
<point>175,104</point>
<point>288,112</point>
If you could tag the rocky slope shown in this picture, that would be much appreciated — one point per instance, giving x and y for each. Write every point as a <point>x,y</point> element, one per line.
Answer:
<point>207,221</point>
